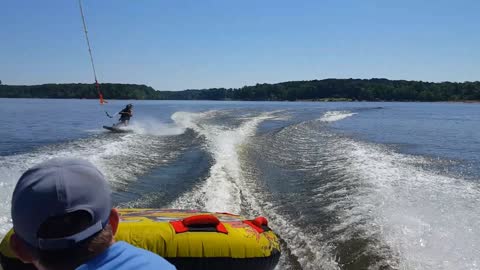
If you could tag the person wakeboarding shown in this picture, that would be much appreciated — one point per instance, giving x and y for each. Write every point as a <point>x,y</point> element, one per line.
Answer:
<point>125,115</point>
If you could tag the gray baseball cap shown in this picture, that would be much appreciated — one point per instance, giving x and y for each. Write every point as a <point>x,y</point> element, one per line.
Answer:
<point>55,188</point>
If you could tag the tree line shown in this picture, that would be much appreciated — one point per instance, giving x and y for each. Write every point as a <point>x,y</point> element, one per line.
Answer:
<point>328,89</point>
<point>78,90</point>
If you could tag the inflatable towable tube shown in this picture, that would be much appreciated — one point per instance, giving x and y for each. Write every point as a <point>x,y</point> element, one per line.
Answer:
<point>189,239</point>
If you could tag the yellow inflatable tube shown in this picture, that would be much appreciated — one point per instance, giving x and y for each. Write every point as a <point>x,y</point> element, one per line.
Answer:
<point>189,239</point>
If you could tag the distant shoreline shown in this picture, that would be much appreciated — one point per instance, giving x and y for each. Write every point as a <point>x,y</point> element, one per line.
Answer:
<point>303,100</point>
<point>328,90</point>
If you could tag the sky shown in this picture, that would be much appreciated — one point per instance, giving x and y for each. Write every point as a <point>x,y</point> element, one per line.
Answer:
<point>194,44</point>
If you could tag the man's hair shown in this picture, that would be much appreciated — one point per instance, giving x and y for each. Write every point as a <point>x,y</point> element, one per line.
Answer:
<point>66,225</point>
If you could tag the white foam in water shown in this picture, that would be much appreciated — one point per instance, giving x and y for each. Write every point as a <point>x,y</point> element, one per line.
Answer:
<point>154,127</point>
<point>109,154</point>
<point>421,219</point>
<point>429,221</point>
<point>333,116</point>
<point>220,192</point>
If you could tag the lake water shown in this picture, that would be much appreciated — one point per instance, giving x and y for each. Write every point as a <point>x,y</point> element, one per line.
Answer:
<point>345,185</point>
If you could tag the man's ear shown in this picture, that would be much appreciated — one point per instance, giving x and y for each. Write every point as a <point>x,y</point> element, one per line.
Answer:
<point>21,249</point>
<point>114,219</point>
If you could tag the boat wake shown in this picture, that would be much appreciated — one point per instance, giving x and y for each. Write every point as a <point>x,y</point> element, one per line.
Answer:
<point>333,116</point>
<point>220,191</point>
<point>122,158</point>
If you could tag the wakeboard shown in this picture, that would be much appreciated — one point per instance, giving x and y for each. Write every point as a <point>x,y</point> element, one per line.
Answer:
<point>117,129</point>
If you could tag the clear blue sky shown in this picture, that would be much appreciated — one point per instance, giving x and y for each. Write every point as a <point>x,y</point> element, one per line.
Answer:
<point>176,44</point>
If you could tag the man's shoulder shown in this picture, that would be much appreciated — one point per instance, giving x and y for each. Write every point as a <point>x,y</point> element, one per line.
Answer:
<point>122,255</point>
<point>145,257</point>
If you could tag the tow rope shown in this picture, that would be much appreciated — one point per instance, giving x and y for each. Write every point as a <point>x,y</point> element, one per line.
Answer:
<point>97,85</point>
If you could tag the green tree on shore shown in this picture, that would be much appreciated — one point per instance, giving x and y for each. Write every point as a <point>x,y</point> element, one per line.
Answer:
<point>328,89</point>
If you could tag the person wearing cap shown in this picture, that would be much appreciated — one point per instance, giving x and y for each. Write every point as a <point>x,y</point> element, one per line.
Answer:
<point>63,219</point>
